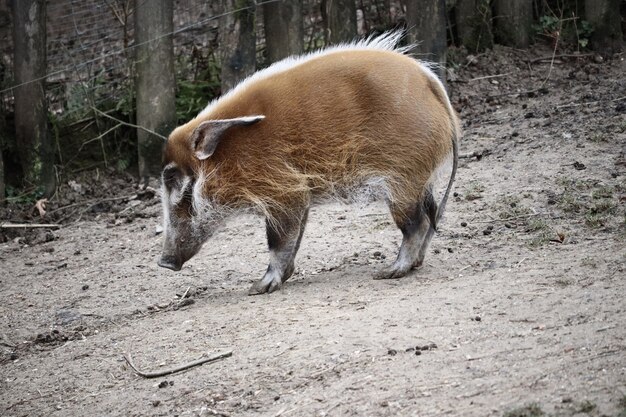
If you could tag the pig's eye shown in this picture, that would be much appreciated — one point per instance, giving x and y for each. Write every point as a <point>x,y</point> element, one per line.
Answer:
<point>171,177</point>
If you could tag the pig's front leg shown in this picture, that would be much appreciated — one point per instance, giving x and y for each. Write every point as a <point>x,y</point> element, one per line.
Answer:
<point>284,241</point>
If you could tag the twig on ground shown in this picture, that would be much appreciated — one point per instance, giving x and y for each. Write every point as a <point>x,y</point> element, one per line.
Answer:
<point>588,103</point>
<point>156,374</point>
<point>545,58</point>
<point>490,76</point>
<point>29,226</point>
<point>475,154</point>
<point>514,93</point>
<point>93,202</point>
<point>184,295</point>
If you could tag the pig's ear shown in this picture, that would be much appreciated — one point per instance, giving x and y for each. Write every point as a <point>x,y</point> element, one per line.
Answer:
<point>207,136</point>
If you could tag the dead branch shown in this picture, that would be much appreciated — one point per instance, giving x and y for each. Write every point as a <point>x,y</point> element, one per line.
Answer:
<point>587,103</point>
<point>490,76</point>
<point>29,226</point>
<point>546,58</point>
<point>126,123</point>
<point>93,202</point>
<point>514,93</point>
<point>156,374</point>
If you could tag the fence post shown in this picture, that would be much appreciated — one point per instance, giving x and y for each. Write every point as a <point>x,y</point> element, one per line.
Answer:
<point>284,31</point>
<point>34,145</point>
<point>340,20</point>
<point>513,21</point>
<point>604,15</point>
<point>2,190</point>
<point>237,41</point>
<point>473,22</point>
<point>426,20</point>
<point>155,84</point>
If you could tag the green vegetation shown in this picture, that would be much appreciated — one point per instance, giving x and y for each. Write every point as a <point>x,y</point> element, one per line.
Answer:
<point>512,207</point>
<point>586,407</point>
<point>571,31</point>
<point>596,203</point>
<point>474,191</point>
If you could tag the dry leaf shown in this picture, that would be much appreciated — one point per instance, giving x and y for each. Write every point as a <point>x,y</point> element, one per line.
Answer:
<point>41,206</point>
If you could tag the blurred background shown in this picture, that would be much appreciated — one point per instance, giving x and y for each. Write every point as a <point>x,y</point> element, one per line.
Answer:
<point>97,84</point>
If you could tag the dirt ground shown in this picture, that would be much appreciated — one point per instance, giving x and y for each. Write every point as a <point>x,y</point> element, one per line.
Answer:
<point>519,310</point>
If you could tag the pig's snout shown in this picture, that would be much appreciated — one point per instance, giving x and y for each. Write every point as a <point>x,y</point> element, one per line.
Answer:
<point>170,262</point>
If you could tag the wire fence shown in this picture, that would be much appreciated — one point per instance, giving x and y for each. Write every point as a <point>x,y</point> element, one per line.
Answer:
<point>90,63</point>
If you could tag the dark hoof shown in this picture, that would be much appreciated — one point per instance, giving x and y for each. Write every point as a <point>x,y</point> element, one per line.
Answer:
<point>390,274</point>
<point>260,288</point>
<point>169,264</point>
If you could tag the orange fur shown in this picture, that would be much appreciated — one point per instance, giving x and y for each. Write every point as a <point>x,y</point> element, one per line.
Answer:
<point>332,123</point>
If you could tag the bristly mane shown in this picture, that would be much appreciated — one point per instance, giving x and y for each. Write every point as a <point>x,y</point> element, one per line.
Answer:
<point>387,41</point>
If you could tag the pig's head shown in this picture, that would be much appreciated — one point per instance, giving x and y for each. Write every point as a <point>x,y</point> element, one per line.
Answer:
<point>189,217</point>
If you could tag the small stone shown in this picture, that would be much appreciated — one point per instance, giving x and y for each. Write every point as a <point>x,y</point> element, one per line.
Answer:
<point>156,403</point>
<point>377,254</point>
<point>276,398</point>
<point>437,251</point>
<point>163,384</point>
<point>477,318</point>
<point>463,224</point>
<point>85,287</point>
<point>418,352</point>
<point>450,250</point>
<point>392,352</point>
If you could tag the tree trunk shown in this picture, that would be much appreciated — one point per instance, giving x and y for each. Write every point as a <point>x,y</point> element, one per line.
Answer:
<point>237,41</point>
<point>284,31</point>
<point>35,148</point>
<point>155,83</point>
<point>513,22</point>
<point>2,189</point>
<point>473,22</point>
<point>340,20</point>
<point>604,15</point>
<point>426,20</point>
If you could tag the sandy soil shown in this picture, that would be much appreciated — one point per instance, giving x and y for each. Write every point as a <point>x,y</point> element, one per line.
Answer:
<point>518,311</point>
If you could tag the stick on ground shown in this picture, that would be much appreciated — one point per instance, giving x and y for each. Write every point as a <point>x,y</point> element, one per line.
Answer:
<point>29,226</point>
<point>156,374</point>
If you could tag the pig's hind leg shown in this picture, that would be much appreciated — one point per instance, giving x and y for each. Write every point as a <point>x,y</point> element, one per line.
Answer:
<point>417,225</point>
<point>284,241</point>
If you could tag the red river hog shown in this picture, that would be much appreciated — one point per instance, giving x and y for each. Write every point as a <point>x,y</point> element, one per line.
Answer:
<point>355,120</point>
